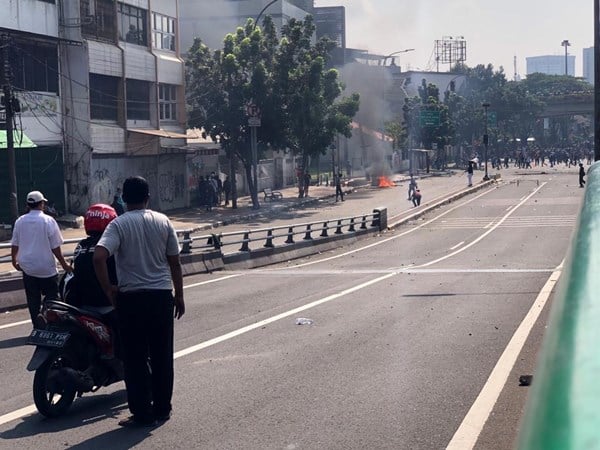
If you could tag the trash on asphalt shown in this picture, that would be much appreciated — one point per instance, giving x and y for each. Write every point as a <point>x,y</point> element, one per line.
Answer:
<point>303,321</point>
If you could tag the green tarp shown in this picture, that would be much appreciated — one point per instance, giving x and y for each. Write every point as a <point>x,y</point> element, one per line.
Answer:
<point>20,140</point>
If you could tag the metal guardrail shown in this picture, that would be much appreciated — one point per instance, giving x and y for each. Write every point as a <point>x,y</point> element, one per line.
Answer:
<point>269,236</point>
<point>562,412</point>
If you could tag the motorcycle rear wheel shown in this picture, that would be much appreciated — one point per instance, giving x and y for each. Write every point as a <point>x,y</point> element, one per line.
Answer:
<point>48,402</point>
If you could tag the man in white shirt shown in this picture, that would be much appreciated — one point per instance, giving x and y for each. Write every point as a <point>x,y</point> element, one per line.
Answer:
<point>35,244</point>
<point>146,253</point>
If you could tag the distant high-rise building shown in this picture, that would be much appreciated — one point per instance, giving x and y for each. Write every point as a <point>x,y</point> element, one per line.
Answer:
<point>211,20</point>
<point>331,23</point>
<point>306,5</point>
<point>588,64</point>
<point>550,64</point>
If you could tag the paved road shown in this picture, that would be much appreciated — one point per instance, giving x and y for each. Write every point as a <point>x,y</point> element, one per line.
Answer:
<point>409,328</point>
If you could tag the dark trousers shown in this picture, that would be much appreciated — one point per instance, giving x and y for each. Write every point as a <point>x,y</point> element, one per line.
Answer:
<point>339,192</point>
<point>34,289</point>
<point>146,329</point>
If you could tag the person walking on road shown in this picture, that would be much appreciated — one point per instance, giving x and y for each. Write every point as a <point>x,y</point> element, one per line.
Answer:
<point>412,186</point>
<point>581,175</point>
<point>338,187</point>
<point>148,268</point>
<point>416,197</point>
<point>35,247</point>
<point>470,174</point>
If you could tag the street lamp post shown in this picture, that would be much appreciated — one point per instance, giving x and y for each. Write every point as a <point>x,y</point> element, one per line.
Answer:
<point>253,113</point>
<point>566,45</point>
<point>485,140</point>
<point>385,58</point>
<point>262,11</point>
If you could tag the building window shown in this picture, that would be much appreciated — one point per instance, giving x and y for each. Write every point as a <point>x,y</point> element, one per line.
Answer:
<point>163,32</point>
<point>167,101</point>
<point>98,19</point>
<point>34,66</point>
<point>138,100</point>
<point>104,92</point>
<point>132,25</point>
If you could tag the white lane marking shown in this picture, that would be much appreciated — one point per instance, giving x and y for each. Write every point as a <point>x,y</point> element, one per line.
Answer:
<point>9,325</point>
<point>481,237</point>
<point>489,225</point>
<point>384,241</point>
<point>202,283</point>
<point>468,432</point>
<point>214,280</point>
<point>457,245</point>
<point>17,414</point>
<point>277,317</point>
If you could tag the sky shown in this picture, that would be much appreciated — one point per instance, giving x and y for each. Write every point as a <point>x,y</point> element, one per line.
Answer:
<point>495,30</point>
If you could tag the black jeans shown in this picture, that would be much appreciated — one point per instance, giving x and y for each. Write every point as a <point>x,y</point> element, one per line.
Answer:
<point>34,288</point>
<point>146,332</point>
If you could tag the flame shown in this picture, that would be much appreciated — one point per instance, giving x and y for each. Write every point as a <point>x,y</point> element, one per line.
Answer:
<point>385,182</point>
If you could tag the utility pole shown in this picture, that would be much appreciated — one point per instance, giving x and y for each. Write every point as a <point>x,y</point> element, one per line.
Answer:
<point>486,140</point>
<point>566,44</point>
<point>8,109</point>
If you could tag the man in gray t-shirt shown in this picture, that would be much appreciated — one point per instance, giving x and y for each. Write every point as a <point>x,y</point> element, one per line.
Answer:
<point>146,253</point>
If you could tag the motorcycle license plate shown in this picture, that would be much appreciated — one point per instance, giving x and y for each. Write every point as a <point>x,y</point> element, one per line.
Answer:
<point>48,338</point>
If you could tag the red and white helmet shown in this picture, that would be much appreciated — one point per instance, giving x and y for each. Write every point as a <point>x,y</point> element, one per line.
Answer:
<point>97,217</point>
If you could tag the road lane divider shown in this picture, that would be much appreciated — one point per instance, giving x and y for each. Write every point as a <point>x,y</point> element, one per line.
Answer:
<point>468,432</point>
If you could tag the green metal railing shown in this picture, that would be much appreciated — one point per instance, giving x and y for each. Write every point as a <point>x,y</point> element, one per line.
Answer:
<point>563,410</point>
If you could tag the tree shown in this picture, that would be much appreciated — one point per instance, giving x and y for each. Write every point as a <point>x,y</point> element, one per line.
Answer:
<point>309,93</point>
<point>285,78</point>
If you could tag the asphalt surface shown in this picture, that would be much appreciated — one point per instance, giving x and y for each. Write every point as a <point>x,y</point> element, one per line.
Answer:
<point>407,332</point>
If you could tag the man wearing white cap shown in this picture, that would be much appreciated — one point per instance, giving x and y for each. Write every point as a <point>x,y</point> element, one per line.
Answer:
<point>36,241</point>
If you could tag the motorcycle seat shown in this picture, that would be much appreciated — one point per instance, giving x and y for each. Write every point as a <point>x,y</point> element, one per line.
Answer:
<point>95,311</point>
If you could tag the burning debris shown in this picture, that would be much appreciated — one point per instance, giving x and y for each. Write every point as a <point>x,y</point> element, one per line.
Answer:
<point>385,182</point>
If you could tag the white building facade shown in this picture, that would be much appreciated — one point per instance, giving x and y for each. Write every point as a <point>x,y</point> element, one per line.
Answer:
<point>101,83</point>
<point>124,111</point>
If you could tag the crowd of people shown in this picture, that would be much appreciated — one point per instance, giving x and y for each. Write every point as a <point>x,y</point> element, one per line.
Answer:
<point>539,157</point>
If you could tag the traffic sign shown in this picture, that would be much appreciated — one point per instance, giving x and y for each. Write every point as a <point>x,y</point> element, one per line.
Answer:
<point>429,118</point>
<point>492,118</point>
<point>254,121</point>
<point>252,110</point>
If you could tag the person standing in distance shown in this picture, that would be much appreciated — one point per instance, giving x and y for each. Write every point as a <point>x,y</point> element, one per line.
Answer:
<point>35,244</point>
<point>339,192</point>
<point>581,175</point>
<point>148,268</point>
<point>470,174</point>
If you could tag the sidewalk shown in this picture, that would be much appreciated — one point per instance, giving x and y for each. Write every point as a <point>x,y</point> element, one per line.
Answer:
<point>197,219</point>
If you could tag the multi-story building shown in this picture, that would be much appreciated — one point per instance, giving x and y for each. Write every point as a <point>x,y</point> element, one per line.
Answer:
<point>30,30</point>
<point>588,64</point>
<point>101,83</point>
<point>124,109</point>
<point>551,64</point>
<point>331,22</point>
<point>211,20</point>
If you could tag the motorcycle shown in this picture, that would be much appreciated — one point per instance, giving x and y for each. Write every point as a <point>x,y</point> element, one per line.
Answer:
<point>74,354</point>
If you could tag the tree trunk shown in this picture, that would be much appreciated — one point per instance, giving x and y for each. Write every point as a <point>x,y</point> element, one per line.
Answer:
<point>252,184</point>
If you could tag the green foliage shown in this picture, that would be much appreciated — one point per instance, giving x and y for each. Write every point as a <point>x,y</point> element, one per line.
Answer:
<point>299,99</point>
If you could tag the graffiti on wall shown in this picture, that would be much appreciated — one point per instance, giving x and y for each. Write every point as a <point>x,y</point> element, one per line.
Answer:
<point>170,186</point>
